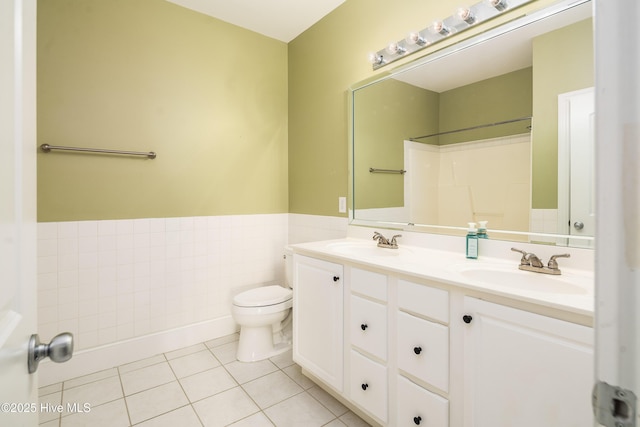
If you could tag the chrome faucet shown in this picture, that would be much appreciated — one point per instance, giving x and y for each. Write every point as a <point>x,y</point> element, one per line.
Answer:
<point>531,262</point>
<point>383,242</point>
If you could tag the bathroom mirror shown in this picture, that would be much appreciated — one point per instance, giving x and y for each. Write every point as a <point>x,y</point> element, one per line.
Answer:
<point>495,128</point>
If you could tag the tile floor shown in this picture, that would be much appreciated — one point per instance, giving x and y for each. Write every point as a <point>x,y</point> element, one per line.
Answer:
<point>201,385</point>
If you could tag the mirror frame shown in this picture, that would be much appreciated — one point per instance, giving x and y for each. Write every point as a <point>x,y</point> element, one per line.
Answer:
<point>500,30</point>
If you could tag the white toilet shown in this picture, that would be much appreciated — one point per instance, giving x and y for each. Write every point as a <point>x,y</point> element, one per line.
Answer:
<point>264,315</point>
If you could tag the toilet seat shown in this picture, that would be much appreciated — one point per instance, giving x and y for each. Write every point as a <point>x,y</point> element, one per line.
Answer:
<point>263,296</point>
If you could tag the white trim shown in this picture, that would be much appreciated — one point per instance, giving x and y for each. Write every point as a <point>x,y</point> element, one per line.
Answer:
<point>111,355</point>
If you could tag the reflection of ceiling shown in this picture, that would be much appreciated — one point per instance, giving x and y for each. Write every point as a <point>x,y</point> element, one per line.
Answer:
<point>500,55</point>
<point>283,20</point>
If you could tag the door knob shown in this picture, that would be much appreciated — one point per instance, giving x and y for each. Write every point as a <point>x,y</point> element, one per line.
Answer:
<point>578,225</point>
<point>59,350</point>
<point>467,319</point>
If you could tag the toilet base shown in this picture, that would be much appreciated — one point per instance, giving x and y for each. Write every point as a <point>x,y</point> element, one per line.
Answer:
<point>257,343</point>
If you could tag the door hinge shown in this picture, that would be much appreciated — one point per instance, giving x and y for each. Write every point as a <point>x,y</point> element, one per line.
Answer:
<point>613,406</point>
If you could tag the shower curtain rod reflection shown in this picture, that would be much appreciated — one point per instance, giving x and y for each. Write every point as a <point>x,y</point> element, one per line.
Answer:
<point>473,127</point>
<point>47,148</point>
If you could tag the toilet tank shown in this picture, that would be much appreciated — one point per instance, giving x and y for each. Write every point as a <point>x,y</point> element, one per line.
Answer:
<point>288,266</point>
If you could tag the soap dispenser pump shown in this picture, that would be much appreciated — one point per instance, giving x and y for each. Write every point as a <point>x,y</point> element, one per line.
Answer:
<point>482,230</point>
<point>472,241</point>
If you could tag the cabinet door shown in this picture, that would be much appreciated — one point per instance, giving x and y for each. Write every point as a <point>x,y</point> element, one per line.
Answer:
<point>526,370</point>
<point>318,319</point>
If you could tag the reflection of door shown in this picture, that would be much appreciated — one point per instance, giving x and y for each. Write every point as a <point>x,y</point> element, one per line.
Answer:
<point>576,196</point>
<point>18,389</point>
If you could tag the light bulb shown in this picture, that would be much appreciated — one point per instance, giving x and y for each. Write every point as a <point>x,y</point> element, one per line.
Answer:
<point>464,13</point>
<point>438,27</point>
<point>376,59</point>
<point>394,48</point>
<point>415,38</point>
<point>499,5</point>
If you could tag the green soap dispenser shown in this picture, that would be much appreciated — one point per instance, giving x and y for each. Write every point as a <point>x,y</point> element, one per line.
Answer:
<point>472,241</point>
<point>482,230</point>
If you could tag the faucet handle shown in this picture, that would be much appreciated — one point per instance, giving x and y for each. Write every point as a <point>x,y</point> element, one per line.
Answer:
<point>393,239</point>
<point>553,264</point>
<point>525,256</point>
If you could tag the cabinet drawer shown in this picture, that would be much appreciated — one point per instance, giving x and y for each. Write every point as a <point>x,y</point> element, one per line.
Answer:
<point>417,406</point>
<point>424,300</point>
<point>423,350</point>
<point>368,283</point>
<point>369,326</point>
<point>369,385</point>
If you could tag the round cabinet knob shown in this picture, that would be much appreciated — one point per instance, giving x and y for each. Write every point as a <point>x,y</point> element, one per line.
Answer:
<point>578,225</point>
<point>417,350</point>
<point>364,326</point>
<point>365,386</point>
<point>336,278</point>
<point>417,420</point>
<point>467,319</point>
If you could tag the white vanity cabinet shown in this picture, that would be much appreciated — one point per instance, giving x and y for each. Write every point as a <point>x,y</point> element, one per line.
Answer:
<point>318,310</point>
<point>402,350</point>
<point>523,369</point>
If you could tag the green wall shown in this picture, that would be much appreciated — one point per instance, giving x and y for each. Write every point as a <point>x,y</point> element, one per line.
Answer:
<point>324,62</point>
<point>388,113</point>
<point>562,62</point>
<point>493,100</point>
<point>147,75</point>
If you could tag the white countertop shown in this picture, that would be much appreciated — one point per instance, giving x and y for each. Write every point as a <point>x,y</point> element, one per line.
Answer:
<point>573,291</point>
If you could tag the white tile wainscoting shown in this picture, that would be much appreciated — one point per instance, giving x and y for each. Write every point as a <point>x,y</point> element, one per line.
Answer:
<point>129,289</point>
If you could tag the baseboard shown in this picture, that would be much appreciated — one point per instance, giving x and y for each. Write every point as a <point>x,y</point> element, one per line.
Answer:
<point>108,356</point>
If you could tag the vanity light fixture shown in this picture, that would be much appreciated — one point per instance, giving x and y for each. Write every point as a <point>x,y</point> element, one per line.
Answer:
<point>462,19</point>
<point>500,5</point>
<point>465,14</point>
<point>395,48</point>
<point>415,38</point>
<point>438,27</point>
<point>376,59</point>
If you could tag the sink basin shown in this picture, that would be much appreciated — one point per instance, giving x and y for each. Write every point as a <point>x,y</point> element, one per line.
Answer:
<point>365,249</point>
<point>512,278</point>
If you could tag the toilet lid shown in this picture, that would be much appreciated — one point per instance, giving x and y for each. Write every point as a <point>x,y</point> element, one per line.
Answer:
<point>264,295</point>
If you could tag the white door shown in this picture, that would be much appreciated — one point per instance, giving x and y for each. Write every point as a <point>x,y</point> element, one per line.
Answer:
<point>18,389</point>
<point>576,166</point>
<point>618,207</point>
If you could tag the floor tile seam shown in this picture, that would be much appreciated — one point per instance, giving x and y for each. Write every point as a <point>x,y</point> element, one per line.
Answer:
<point>124,398</point>
<point>252,379</point>
<point>89,382</point>
<point>214,394</point>
<point>251,415</point>
<point>325,406</point>
<point>279,402</point>
<point>142,367</point>
<point>164,413</point>
<point>53,392</point>
<point>151,388</point>
<point>294,380</point>
<point>186,354</point>
<point>63,415</point>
